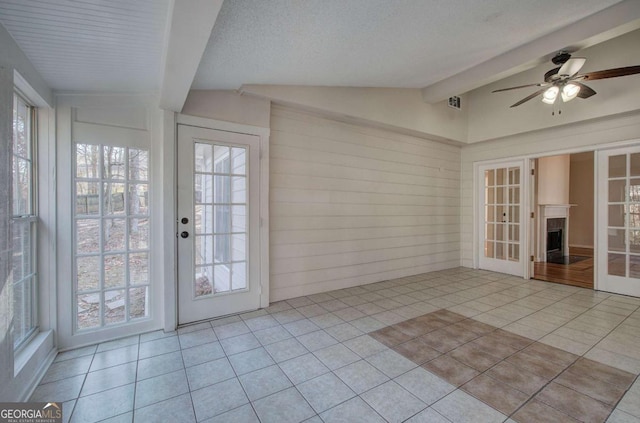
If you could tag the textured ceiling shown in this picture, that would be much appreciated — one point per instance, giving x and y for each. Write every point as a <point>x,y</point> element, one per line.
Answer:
<point>91,45</point>
<point>373,43</point>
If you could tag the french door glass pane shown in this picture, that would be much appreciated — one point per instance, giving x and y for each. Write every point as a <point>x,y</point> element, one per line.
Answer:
<point>623,231</point>
<point>502,213</point>
<point>617,166</point>
<point>220,228</point>
<point>111,225</point>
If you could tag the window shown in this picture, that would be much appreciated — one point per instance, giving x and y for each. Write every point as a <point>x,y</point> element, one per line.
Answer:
<point>111,235</point>
<point>23,223</point>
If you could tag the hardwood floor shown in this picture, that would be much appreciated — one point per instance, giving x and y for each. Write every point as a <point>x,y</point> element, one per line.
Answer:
<point>576,274</point>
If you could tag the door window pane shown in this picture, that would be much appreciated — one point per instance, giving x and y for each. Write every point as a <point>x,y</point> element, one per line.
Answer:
<point>617,166</point>
<point>238,161</point>
<point>617,265</point>
<point>617,191</point>
<point>220,241</point>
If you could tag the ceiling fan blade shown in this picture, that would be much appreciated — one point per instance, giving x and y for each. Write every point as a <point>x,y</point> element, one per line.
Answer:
<point>572,66</point>
<point>539,84</point>
<point>529,97</point>
<point>585,91</point>
<point>609,73</point>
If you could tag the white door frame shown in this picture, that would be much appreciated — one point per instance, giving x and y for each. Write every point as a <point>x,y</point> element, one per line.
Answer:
<point>171,212</point>
<point>524,212</point>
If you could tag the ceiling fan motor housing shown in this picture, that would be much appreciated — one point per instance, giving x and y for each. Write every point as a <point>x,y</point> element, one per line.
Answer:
<point>561,58</point>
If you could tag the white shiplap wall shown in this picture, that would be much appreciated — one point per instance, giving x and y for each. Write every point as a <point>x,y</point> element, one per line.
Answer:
<point>351,205</point>
<point>586,136</point>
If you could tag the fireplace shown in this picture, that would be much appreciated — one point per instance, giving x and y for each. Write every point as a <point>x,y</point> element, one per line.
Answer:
<point>555,238</point>
<point>553,232</point>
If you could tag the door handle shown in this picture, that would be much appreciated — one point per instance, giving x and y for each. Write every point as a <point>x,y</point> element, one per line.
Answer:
<point>184,220</point>
<point>184,234</point>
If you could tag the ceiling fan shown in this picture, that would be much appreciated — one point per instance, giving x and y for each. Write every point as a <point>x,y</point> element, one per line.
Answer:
<point>566,81</point>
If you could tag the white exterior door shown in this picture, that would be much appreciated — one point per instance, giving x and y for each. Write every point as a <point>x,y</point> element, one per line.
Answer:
<point>218,223</point>
<point>618,243</point>
<point>501,217</point>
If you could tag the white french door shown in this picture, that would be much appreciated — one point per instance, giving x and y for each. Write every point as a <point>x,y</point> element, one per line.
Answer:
<point>218,223</point>
<point>501,217</point>
<point>618,242</point>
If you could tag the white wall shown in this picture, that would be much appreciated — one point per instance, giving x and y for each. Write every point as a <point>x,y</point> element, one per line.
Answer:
<point>570,138</point>
<point>397,109</point>
<point>228,106</point>
<point>352,205</point>
<point>581,196</point>
<point>553,179</point>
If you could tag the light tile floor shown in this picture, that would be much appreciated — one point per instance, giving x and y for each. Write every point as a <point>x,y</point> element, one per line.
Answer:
<point>311,358</point>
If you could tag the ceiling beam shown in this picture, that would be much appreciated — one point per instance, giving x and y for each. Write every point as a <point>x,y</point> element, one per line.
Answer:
<point>601,26</point>
<point>188,31</point>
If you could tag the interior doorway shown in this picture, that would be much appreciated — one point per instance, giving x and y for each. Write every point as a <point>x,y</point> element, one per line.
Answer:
<point>563,224</point>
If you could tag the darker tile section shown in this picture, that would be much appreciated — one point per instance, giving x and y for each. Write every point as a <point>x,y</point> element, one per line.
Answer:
<point>448,316</point>
<point>474,357</point>
<point>431,323</point>
<point>389,336</point>
<point>441,340</point>
<point>496,394</point>
<point>490,345</point>
<point>603,372</point>
<point>517,378</point>
<point>549,353</point>
<point>412,328</point>
<point>535,365</point>
<point>476,327</point>
<point>573,403</point>
<point>508,338</point>
<point>538,412</point>
<point>460,333</point>
<point>417,351</point>
<point>451,370</point>
<point>597,389</point>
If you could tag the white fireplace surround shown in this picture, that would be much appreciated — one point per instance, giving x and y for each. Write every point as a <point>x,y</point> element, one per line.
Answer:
<point>552,211</point>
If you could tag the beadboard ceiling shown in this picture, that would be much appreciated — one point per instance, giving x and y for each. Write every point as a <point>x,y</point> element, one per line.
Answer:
<point>91,45</point>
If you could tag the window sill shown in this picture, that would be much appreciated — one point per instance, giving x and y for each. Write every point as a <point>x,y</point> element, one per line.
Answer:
<point>31,363</point>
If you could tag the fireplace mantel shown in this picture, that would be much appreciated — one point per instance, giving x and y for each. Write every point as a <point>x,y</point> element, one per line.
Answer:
<point>552,211</point>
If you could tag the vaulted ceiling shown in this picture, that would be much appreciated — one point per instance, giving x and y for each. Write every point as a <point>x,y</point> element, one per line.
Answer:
<point>169,46</point>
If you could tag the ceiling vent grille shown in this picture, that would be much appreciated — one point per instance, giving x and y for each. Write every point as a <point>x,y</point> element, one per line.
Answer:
<point>454,102</point>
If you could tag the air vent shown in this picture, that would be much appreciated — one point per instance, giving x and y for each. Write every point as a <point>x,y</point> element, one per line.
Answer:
<point>454,102</point>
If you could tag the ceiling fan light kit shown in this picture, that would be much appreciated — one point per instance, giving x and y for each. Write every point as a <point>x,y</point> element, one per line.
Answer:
<point>569,92</point>
<point>565,80</point>
<point>550,95</point>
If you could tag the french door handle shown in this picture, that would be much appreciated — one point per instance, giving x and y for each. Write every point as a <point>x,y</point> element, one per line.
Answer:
<point>184,234</point>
